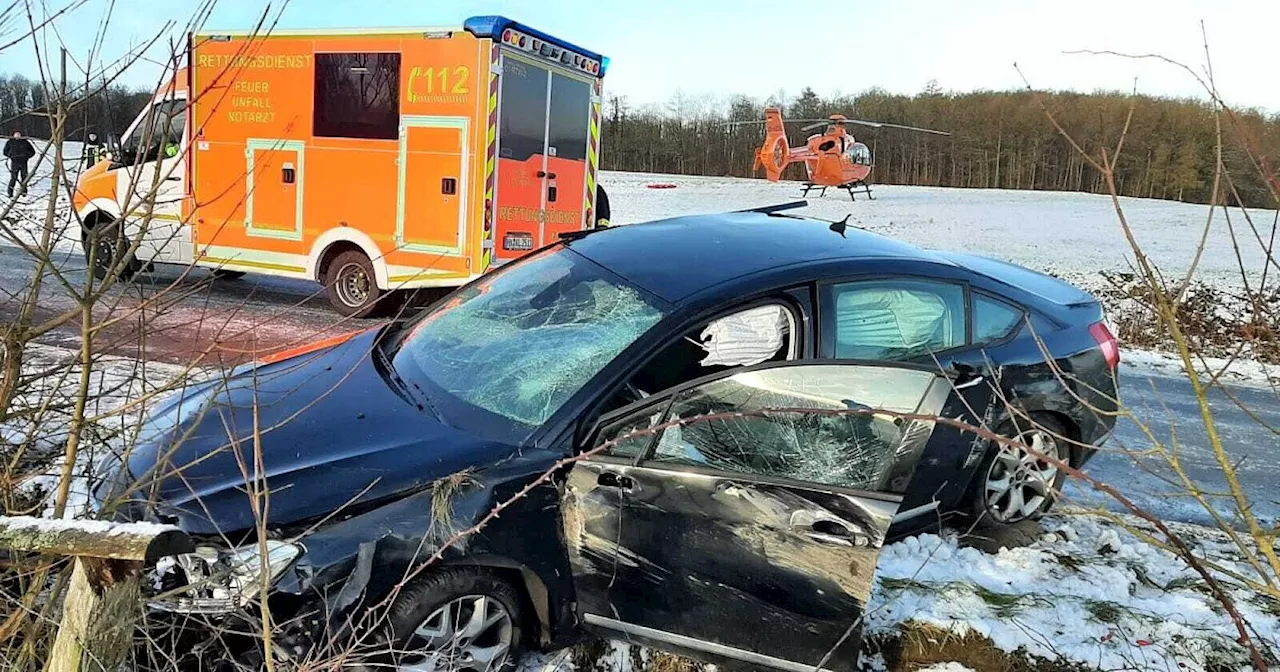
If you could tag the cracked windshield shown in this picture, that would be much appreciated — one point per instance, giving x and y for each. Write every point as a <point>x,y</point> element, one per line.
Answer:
<point>523,342</point>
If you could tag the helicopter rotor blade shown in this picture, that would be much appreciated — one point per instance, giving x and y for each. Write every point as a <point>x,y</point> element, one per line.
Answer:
<point>879,124</point>
<point>819,123</point>
<point>785,121</point>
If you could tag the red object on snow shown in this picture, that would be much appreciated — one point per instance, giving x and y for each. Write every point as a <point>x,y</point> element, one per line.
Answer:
<point>661,186</point>
<point>1145,642</point>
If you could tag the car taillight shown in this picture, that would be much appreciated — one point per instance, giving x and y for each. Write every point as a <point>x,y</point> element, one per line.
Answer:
<point>1107,343</point>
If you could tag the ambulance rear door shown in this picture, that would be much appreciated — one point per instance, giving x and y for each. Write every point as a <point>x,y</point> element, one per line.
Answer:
<point>547,97</point>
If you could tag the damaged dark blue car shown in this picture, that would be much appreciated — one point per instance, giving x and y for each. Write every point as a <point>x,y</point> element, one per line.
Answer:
<point>766,388</point>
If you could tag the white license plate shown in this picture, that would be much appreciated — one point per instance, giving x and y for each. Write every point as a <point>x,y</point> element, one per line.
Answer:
<point>517,241</point>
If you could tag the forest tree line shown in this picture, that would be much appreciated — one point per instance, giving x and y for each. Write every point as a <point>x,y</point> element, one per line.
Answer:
<point>107,108</point>
<point>999,139</point>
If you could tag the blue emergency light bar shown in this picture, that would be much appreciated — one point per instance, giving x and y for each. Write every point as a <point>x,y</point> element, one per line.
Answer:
<point>493,27</point>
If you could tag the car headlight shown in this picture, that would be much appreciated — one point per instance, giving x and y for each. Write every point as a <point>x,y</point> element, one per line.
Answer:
<point>214,581</point>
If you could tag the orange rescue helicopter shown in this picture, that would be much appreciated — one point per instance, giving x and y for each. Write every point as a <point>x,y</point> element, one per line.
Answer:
<point>832,158</point>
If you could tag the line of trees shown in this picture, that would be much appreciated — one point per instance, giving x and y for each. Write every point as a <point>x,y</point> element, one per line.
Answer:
<point>108,110</point>
<point>999,139</point>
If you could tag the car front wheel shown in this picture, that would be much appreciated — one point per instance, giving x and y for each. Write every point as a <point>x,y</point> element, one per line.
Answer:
<point>457,620</point>
<point>1016,484</point>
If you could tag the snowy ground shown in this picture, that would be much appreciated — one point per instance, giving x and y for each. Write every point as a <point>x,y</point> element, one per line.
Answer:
<point>1060,232</point>
<point>120,392</point>
<point>1087,592</point>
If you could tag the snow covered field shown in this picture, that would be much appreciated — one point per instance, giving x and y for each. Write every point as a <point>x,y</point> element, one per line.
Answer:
<point>1061,232</point>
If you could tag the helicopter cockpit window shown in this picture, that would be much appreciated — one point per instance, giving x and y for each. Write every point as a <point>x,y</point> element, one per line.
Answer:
<point>859,153</point>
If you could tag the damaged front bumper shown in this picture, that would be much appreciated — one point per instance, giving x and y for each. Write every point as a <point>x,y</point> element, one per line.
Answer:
<point>214,580</point>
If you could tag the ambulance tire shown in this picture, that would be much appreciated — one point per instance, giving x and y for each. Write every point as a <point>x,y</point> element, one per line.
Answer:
<point>602,208</point>
<point>224,274</point>
<point>110,243</point>
<point>352,286</point>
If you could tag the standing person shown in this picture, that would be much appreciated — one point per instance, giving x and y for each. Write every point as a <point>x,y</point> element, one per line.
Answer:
<point>91,149</point>
<point>18,150</point>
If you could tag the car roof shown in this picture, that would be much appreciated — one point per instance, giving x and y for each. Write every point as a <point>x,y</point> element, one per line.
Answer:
<point>675,258</point>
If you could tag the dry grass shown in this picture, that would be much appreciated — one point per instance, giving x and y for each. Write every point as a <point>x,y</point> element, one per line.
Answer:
<point>1217,322</point>
<point>920,645</point>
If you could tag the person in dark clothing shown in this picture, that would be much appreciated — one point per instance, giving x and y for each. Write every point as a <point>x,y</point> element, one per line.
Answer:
<point>92,150</point>
<point>18,150</point>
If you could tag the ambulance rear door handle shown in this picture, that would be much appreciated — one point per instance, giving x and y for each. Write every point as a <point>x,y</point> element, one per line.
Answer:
<point>542,173</point>
<point>551,194</point>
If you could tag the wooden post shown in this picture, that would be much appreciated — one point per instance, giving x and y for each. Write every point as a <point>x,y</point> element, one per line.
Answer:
<point>108,560</point>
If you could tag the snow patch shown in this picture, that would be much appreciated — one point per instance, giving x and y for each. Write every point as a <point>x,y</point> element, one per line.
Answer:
<point>1246,372</point>
<point>1088,592</point>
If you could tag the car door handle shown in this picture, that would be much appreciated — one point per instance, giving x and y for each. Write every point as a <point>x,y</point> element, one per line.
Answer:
<point>173,178</point>
<point>825,528</point>
<point>611,479</point>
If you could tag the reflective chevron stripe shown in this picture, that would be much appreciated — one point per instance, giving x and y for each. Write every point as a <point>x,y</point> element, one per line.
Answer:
<point>593,155</point>
<point>490,165</point>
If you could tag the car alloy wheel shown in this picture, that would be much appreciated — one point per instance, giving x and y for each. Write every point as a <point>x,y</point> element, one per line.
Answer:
<point>474,632</point>
<point>1018,483</point>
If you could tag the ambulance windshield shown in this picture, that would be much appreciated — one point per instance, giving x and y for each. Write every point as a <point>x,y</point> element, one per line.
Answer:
<point>520,342</point>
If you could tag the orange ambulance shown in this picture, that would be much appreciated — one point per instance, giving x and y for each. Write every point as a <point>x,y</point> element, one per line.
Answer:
<point>367,160</point>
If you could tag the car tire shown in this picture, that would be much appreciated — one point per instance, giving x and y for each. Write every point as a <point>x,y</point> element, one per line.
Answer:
<point>458,616</point>
<point>352,285</point>
<point>1011,485</point>
<point>111,244</point>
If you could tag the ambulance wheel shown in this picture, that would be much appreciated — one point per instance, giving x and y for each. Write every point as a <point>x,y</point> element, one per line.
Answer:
<point>224,274</point>
<point>351,284</point>
<point>108,242</point>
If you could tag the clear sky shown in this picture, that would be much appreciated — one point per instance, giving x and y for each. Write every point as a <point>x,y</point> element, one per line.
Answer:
<point>761,47</point>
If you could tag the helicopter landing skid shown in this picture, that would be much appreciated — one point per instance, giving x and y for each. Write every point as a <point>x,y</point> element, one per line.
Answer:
<point>859,187</point>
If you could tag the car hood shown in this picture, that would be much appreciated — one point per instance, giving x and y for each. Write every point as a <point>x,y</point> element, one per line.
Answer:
<point>332,432</point>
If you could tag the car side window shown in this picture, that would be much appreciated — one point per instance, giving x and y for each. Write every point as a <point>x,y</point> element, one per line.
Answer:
<point>993,319</point>
<point>894,319</point>
<point>623,432</point>
<point>762,333</point>
<point>811,423</point>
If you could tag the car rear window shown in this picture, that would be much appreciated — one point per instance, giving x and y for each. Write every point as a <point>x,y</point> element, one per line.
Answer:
<point>993,319</point>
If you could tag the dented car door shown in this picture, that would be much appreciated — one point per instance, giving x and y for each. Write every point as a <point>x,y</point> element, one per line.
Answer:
<point>746,522</point>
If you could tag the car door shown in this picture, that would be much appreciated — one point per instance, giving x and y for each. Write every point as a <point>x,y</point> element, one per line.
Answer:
<point>155,184</point>
<point>927,321</point>
<point>740,516</point>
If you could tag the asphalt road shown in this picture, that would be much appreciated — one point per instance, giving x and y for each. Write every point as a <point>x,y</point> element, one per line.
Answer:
<point>197,316</point>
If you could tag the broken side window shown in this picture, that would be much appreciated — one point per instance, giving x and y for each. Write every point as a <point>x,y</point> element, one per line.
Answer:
<point>793,426</point>
<point>752,336</point>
